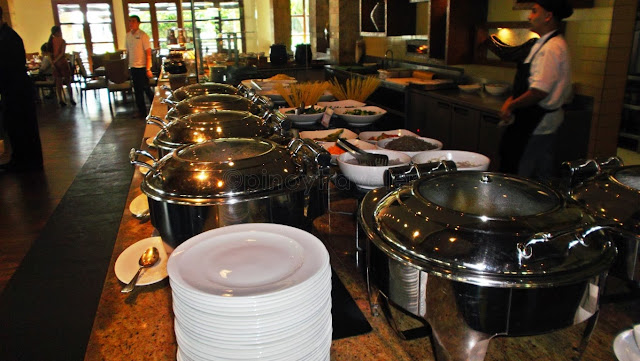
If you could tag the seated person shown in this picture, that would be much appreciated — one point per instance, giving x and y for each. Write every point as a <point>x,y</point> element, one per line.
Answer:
<point>46,65</point>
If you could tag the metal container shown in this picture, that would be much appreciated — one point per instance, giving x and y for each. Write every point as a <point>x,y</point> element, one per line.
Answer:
<point>202,103</point>
<point>192,90</point>
<point>230,181</point>
<point>480,254</point>
<point>611,193</point>
<point>215,124</point>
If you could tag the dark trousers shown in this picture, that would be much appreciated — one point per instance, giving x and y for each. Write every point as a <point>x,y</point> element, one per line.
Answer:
<point>140,88</point>
<point>20,123</point>
<point>538,159</point>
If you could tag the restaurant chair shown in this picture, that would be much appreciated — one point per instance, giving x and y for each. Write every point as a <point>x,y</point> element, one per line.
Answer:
<point>118,78</point>
<point>47,84</point>
<point>88,82</point>
<point>97,64</point>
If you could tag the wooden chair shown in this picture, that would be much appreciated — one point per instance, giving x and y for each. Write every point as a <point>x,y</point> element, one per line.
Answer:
<point>89,82</point>
<point>45,84</point>
<point>118,78</point>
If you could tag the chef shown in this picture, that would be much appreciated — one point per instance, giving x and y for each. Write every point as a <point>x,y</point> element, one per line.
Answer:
<point>541,86</point>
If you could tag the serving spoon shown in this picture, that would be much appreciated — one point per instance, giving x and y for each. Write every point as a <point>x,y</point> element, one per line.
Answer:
<point>148,259</point>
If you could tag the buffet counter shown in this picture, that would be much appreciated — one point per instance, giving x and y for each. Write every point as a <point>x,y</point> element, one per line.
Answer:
<point>139,325</point>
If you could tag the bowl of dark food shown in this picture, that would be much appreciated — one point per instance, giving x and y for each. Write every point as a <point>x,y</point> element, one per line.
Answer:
<point>361,116</point>
<point>306,116</point>
<point>409,145</point>
<point>464,160</point>
<point>366,176</point>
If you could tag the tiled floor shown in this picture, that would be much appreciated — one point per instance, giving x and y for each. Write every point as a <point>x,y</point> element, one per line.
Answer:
<point>68,137</point>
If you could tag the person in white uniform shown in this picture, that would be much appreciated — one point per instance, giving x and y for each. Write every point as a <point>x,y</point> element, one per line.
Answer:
<point>541,86</point>
<point>139,55</point>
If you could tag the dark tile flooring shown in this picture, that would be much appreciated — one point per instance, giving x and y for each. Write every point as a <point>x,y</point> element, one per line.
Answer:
<point>69,136</point>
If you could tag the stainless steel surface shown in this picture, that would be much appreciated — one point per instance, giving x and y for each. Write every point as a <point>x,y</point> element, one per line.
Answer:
<point>492,255</point>
<point>471,226</point>
<point>612,194</point>
<point>233,180</point>
<point>192,90</point>
<point>148,259</point>
<point>202,103</point>
<point>213,124</point>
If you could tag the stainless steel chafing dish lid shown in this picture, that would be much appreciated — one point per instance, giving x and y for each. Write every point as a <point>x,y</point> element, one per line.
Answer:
<point>200,127</point>
<point>613,195</point>
<point>487,229</point>
<point>191,90</point>
<point>203,173</point>
<point>628,177</point>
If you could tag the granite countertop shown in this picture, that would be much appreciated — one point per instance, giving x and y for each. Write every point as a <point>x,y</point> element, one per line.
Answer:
<point>139,325</point>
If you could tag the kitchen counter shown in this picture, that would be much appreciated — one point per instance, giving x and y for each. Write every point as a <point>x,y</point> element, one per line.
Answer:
<point>139,325</point>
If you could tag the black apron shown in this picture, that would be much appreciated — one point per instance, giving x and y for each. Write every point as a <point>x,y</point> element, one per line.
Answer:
<point>515,137</point>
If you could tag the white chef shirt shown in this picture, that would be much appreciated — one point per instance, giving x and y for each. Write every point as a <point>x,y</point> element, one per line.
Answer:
<point>551,73</point>
<point>137,45</point>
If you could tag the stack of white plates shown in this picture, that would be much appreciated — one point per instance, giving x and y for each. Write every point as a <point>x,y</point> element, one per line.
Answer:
<point>252,291</point>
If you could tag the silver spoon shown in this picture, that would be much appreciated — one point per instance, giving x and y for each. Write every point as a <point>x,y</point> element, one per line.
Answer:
<point>148,259</point>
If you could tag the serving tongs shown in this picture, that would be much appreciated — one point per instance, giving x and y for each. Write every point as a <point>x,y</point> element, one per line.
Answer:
<point>363,158</point>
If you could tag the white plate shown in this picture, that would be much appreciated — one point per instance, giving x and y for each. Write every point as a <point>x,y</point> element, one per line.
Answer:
<point>197,274</point>
<point>341,104</point>
<point>139,206</point>
<point>127,263</point>
<point>318,135</point>
<point>360,120</point>
<point>302,119</point>
<point>149,142</point>
<point>241,261</point>
<point>625,347</point>
<point>371,136</point>
<point>144,170</point>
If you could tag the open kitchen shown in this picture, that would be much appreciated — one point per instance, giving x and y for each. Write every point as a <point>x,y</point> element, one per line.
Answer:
<point>325,180</point>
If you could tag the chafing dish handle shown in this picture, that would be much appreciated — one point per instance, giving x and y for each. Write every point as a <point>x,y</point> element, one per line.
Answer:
<point>152,119</point>
<point>133,158</point>
<point>169,102</point>
<point>399,176</point>
<point>577,171</point>
<point>167,88</point>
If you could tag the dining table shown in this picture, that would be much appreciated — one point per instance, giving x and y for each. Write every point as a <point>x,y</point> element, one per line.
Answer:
<point>140,325</point>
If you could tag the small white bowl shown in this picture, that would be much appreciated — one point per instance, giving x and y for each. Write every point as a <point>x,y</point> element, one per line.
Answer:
<point>382,144</point>
<point>496,89</point>
<point>302,119</point>
<point>370,177</point>
<point>372,137</point>
<point>360,120</point>
<point>464,160</point>
<point>469,88</point>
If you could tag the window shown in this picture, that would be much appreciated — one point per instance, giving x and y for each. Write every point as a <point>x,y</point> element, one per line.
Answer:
<point>86,26</point>
<point>156,18</point>
<point>218,22</point>
<point>299,22</point>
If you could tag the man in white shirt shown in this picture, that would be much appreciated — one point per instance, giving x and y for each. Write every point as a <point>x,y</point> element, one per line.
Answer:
<point>139,55</point>
<point>542,85</point>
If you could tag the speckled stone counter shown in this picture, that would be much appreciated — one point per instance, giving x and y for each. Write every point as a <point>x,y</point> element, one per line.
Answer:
<point>139,325</point>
